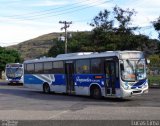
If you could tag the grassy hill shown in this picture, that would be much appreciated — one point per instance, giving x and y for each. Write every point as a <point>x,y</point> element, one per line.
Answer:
<point>36,47</point>
<point>80,41</point>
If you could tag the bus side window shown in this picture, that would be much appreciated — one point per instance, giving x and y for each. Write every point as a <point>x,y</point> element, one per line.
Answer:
<point>39,68</point>
<point>47,67</point>
<point>96,66</point>
<point>30,68</point>
<point>58,67</point>
<point>83,66</point>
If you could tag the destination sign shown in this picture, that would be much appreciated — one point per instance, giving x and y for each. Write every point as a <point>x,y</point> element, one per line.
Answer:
<point>131,55</point>
<point>14,65</point>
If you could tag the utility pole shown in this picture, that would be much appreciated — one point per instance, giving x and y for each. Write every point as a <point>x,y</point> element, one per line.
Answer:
<point>66,25</point>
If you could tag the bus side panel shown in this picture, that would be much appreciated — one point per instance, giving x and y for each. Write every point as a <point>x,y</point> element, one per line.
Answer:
<point>31,81</point>
<point>59,83</point>
<point>83,82</point>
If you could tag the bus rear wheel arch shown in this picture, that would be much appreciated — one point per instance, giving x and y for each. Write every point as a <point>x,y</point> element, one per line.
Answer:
<point>46,88</point>
<point>95,91</point>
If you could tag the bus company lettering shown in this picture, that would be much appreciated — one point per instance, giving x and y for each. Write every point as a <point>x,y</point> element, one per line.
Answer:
<point>81,80</point>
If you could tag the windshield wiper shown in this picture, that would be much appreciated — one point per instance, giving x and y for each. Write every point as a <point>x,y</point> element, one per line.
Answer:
<point>138,61</point>
<point>131,65</point>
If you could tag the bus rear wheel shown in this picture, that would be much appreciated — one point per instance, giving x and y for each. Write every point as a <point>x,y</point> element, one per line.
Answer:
<point>95,92</point>
<point>46,88</point>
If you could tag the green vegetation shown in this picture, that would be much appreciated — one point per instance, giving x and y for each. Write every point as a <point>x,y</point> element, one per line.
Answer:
<point>154,80</point>
<point>154,60</point>
<point>58,48</point>
<point>105,36</point>
<point>156,25</point>
<point>154,69</point>
<point>8,56</point>
<point>111,31</point>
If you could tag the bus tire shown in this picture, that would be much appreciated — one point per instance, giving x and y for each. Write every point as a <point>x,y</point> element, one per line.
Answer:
<point>95,92</point>
<point>46,88</point>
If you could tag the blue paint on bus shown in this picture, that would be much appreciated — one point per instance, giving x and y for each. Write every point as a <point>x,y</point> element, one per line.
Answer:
<point>30,79</point>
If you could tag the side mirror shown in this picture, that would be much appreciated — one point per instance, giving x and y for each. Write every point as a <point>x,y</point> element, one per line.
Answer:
<point>148,61</point>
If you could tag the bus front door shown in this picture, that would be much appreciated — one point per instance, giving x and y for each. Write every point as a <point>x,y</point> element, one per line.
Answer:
<point>110,71</point>
<point>69,68</point>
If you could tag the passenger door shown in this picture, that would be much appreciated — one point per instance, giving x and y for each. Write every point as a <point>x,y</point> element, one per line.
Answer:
<point>69,70</point>
<point>110,72</point>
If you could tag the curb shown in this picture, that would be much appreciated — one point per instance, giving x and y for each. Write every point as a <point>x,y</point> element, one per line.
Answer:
<point>156,87</point>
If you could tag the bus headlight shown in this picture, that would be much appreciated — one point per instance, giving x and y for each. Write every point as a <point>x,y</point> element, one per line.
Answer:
<point>145,85</point>
<point>126,86</point>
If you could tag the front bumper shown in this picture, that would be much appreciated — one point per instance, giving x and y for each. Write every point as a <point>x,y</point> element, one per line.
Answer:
<point>133,92</point>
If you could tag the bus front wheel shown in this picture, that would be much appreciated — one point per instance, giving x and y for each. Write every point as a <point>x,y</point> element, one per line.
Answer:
<point>95,92</point>
<point>46,88</point>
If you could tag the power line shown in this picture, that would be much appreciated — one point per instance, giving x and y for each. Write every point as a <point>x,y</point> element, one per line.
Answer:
<point>73,10</point>
<point>45,11</point>
<point>86,7</point>
<point>62,12</point>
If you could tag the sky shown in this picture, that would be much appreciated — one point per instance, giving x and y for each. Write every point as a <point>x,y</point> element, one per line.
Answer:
<point>21,20</point>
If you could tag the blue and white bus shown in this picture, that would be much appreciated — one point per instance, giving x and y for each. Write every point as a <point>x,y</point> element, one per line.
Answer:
<point>112,73</point>
<point>14,73</point>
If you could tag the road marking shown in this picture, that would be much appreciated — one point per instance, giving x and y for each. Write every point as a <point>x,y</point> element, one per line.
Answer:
<point>58,114</point>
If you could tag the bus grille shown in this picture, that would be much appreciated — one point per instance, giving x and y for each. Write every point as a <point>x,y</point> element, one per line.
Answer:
<point>139,91</point>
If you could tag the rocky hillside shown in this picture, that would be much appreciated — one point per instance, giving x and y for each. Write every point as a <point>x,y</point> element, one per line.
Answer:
<point>36,47</point>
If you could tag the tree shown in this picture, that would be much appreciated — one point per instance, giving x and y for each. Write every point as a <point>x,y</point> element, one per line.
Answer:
<point>57,48</point>
<point>8,56</point>
<point>112,37</point>
<point>102,22</point>
<point>156,25</point>
<point>106,36</point>
<point>103,31</point>
<point>124,18</point>
<point>80,42</point>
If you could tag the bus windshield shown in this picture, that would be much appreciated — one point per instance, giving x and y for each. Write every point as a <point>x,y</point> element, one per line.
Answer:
<point>14,72</point>
<point>133,70</point>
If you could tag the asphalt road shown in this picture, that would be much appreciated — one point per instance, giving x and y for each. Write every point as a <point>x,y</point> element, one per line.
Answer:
<point>19,103</point>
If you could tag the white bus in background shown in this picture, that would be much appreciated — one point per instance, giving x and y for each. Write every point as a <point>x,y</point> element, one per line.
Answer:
<point>109,74</point>
<point>14,73</point>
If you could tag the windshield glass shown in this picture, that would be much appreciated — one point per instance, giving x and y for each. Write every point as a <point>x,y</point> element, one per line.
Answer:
<point>140,70</point>
<point>133,70</point>
<point>14,72</point>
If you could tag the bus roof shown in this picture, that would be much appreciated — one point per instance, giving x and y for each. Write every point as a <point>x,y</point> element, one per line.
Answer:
<point>14,65</point>
<point>80,55</point>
